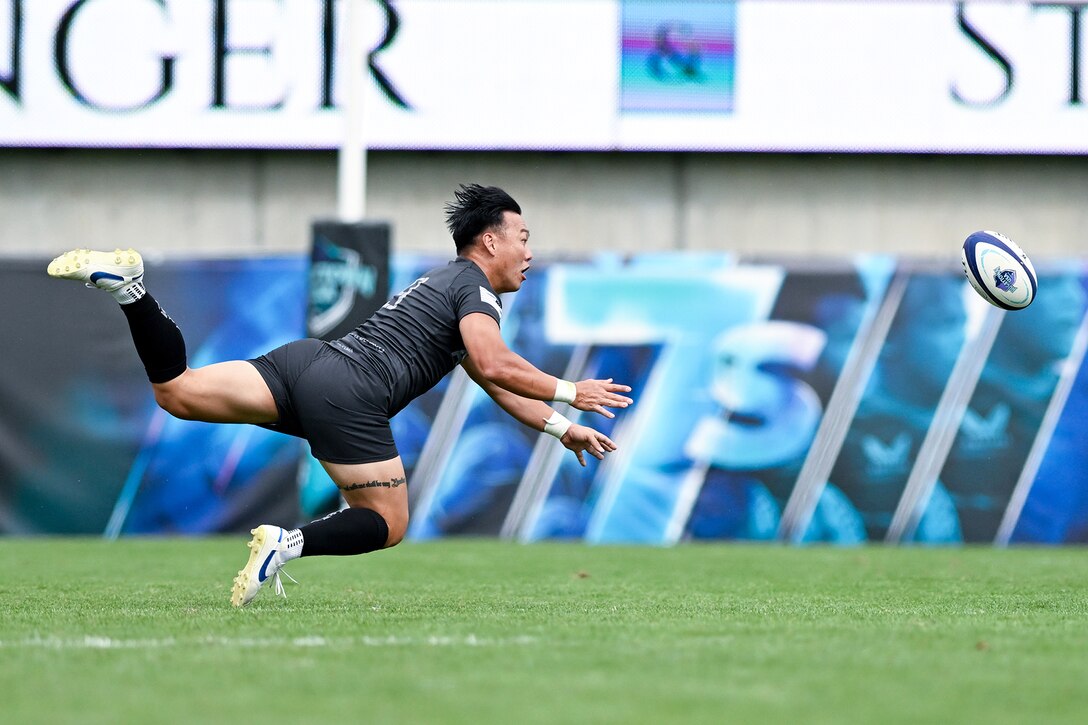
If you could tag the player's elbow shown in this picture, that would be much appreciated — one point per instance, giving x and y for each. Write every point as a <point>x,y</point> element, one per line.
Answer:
<point>177,396</point>
<point>492,369</point>
<point>174,403</point>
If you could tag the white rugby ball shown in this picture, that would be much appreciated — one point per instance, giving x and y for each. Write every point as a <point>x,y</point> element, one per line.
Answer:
<point>999,270</point>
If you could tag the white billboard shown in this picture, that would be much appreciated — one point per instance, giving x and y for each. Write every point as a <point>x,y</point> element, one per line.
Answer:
<point>939,76</point>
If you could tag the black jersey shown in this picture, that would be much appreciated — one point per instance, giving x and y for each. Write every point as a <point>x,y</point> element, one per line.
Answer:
<point>414,340</point>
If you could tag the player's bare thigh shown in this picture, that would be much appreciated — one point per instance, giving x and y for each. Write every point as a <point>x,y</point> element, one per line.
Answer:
<point>379,486</point>
<point>227,392</point>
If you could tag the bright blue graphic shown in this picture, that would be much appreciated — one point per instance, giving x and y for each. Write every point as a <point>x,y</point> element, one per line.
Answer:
<point>926,338</point>
<point>1043,351</point>
<point>681,311</point>
<point>771,380</point>
<point>574,492</point>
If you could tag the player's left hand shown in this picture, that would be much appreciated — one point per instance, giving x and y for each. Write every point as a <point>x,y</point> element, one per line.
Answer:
<point>582,439</point>
<point>595,396</point>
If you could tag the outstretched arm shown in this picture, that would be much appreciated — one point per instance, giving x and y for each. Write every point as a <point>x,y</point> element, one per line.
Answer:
<point>537,415</point>
<point>498,364</point>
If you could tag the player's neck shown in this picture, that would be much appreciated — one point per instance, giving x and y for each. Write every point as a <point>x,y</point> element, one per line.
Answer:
<point>483,261</point>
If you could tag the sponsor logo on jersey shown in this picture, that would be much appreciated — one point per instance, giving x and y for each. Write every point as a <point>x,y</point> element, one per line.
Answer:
<point>490,298</point>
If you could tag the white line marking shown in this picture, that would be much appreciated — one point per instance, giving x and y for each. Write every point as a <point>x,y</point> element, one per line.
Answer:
<point>90,642</point>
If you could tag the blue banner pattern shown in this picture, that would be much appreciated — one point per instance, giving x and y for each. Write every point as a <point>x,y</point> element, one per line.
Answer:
<point>869,400</point>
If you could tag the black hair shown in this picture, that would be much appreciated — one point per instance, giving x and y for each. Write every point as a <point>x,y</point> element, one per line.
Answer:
<point>476,209</point>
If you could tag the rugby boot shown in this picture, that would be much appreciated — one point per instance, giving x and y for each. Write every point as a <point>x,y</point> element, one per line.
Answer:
<point>109,271</point>
<point>264,565</point>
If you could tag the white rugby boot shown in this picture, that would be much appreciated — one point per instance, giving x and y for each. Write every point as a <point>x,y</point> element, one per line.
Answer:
<point>118,272</point>
<point>267,550</point>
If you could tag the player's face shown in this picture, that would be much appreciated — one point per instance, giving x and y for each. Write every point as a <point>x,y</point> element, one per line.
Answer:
<point>513,252</point>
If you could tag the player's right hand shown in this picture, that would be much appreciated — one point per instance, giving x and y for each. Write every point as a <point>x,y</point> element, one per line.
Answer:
<point>581,439</point>
<point>597,395</point>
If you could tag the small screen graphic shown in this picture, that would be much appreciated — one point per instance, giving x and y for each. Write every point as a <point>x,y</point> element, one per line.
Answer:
<point>677,56</point>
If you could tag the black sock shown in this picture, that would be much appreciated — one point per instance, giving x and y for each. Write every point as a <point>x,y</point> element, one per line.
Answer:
<point>158,340</point>
<point>343,533</point>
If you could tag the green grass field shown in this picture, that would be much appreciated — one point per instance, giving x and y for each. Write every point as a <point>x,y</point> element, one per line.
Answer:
<point>141,631</point>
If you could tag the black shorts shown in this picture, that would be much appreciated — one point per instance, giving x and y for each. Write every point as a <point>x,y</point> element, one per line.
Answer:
<point>330,400</point>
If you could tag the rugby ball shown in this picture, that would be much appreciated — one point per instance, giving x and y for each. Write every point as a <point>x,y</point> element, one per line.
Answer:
<point>999,270</point>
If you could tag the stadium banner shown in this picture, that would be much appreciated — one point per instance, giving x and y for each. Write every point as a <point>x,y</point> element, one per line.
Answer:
<point>87,451</point>
<point>349,275</point>
<point>865,400</point>
<point>349,280</point>
<point>742,75</point>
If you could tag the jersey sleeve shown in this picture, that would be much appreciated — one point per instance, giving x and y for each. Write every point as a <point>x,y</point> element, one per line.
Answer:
<point>472,293</point>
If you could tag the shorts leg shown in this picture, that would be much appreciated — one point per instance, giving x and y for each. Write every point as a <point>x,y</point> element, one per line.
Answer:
<point>281,369</point>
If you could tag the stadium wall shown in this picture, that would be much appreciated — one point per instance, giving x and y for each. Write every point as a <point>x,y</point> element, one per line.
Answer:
<point>238,202</point>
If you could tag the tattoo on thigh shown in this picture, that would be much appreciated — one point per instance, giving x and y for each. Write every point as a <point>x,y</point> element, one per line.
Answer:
<point>394,483</point>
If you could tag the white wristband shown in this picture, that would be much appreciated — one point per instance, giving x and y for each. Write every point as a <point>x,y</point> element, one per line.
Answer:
<point>565,391</point>
<point>557,425</point>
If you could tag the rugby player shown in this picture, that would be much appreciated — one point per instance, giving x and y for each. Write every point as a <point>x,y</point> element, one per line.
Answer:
<point>340,395</point>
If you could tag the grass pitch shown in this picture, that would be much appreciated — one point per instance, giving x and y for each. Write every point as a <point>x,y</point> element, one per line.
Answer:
<point>142,631</point>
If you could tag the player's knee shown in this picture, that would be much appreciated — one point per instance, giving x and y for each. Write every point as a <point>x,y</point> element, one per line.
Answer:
<point>398,527</point>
